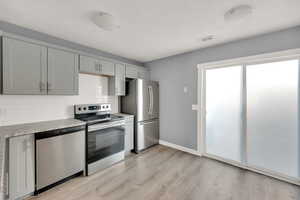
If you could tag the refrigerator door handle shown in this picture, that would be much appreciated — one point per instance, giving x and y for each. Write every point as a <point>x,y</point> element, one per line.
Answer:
<point>150,89</point>
<point>152,100</point>
<point>147,122</point>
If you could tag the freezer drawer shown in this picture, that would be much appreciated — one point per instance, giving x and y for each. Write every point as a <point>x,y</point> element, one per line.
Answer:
<point>147,134</point>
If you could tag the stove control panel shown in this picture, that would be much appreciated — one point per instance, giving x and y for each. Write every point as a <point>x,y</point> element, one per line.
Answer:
<point>92,108</point>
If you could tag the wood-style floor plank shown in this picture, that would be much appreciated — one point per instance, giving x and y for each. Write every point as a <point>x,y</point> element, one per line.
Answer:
<point>162,173</point>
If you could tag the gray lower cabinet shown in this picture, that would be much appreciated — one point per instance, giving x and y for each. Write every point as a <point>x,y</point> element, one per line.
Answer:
<point>96,66</point>
<point>24,67</point>
<point>117,83</point>
<point>129,133</point>
<point>62,72</point>
<point>21,166</point>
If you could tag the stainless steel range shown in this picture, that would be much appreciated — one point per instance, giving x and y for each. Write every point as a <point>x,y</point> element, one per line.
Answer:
<point>104,136</point>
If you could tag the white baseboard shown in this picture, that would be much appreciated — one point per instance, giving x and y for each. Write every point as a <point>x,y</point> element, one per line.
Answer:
<point>178,147</point>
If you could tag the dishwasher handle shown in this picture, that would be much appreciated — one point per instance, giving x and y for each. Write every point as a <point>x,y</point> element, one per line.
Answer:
<point>58,132</point>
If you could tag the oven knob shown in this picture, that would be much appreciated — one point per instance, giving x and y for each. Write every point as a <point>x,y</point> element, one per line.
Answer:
<point>79,109</point>
<point>106,106</point>
<point>84,108</point>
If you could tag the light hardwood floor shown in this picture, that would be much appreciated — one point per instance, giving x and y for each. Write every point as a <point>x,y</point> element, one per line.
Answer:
<point>165,173</point>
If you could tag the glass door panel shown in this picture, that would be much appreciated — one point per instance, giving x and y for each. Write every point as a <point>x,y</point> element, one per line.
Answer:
<point>223,112</point>
<point>272,116</point>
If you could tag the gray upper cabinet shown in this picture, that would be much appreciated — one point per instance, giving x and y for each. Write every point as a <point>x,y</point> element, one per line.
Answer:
<point>143,74</point>
<point>107,68</point>
<point>96,66</point>
<point>24,67</point>
<point>135,72</point>
<point>89,65</point>
<point>117,82</point>
<point>62,72</point>
<point>131,72</point>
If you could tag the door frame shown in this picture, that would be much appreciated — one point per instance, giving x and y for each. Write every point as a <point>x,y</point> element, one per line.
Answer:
<point>242,61</point>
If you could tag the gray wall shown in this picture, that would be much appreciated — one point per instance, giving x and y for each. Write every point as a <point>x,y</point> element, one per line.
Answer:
<point>178,122</point>
<point>11,28</point>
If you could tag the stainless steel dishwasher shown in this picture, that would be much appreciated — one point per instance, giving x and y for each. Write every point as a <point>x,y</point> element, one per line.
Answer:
<point>59,156</point>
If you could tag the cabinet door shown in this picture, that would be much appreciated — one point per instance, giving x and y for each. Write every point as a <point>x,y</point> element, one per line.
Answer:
<point>89,65</point>
<point>21,166</point>
<point>131,72</point>
<point>107,68</point>
<point>24,67</point>
<point>143,74</point>
<point>62,72</point>
<point>120,79</point>
<point>129,134</point>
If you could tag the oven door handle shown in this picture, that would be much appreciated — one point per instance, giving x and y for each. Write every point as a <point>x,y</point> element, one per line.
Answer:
<point>101,126</point>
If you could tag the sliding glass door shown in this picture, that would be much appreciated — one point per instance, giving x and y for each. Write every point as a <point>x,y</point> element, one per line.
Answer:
<point>223,112</point>
<point>272,116</point>
<point>251,116</point>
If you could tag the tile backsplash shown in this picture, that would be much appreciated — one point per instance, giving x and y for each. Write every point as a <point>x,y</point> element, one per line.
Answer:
<point>15,109</point>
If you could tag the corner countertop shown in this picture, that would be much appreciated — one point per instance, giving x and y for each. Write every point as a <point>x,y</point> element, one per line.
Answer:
<point>30,128</point>
<point>124,115</point>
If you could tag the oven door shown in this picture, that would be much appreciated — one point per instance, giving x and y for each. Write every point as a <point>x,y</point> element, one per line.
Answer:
<point>104,140</point>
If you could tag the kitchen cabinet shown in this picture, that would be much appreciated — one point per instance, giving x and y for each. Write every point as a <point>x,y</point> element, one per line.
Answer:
<point>21,166</point>
<point>88,65</point>
<point>96,66</point>
<point>129,133</point>
<point>131,72</point>
<point>107,68</point>
<point>143,74</point>
<point>117,83</point>
<point>30,68</point>
<point>24,67</point>
<point>135,72</point>
<point>62,72</point>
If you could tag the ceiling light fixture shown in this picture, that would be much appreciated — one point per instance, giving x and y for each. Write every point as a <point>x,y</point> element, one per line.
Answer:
<point>106,21</point>
<point>238,12</point>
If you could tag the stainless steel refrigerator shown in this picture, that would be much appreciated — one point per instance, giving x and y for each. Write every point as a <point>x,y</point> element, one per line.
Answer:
<point>141,100</point>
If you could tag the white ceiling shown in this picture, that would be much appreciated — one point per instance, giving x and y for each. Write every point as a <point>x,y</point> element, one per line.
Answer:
<point>150,29</point>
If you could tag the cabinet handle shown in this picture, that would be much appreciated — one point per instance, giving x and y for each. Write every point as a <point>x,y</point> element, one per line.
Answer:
<point>49,86</point>
<point>42,86</point>
<point>7,182</point>
<point>100,67</point>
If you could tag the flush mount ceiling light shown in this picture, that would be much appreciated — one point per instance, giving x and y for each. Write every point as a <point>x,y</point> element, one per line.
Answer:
<point>106,21</point>
<point>238,12</point>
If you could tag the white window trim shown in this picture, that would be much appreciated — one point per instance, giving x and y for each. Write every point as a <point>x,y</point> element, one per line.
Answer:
<point>248,60</point>
<point>261,58</point>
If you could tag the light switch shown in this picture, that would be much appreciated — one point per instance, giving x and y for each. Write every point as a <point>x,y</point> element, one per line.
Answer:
<point>185,89</point>
<point>195,107</point>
